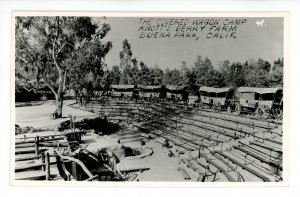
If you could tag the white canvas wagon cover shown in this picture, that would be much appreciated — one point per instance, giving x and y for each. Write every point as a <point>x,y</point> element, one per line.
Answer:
<point>175,88</point>
<point>144,87</point>
<point>258,90</point>
<point>123,87</point>
<point>211,89</point>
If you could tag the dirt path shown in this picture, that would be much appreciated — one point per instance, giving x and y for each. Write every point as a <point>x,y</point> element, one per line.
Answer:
<point>39,116</point>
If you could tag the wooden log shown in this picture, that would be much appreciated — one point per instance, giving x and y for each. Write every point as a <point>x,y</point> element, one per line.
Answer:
<point>62,169</point>
<point>42,140</point>
<point>133,169</point>
<point>251,148</point>
<point>27,151</point>
<point>223,170</point>
<point>34,166</point>
<point>266,147</point>
<point>267,139</point>
<point>132,139</point>
<point>192,165</point>
<point>75,173</point>
<point>251,170</point>
<point>43,160</point>
<point>25,158</point>
<point>91,178</point>
<point>161,140</point>
<point>80,163</point>
<point>28,167</point>
<point>32,175</point>
<point>60,144</point>
<point>261,158</point>
<point>31,157</point>
<point>22,138</point>
<point>25,145</point>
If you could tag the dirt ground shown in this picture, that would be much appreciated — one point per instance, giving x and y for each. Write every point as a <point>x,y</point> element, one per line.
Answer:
<point>162,167</point>
<point>39,116</point>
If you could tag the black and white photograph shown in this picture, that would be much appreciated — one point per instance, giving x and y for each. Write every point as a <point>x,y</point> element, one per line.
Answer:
<point>188,98</point>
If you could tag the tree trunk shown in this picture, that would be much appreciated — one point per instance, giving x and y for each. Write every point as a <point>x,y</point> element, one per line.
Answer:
<point>59,95</point>
<point>76,96</point>
<point>59,105</point>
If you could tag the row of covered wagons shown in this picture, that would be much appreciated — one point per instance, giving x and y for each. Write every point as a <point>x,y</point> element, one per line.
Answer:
<point>261,101</point>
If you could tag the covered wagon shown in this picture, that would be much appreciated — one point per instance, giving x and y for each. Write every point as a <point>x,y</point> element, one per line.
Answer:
<point>127,91</point>
<point>263,102</point>
<point>177,93</point>
<point>216,98</point>
<point>148,92</point>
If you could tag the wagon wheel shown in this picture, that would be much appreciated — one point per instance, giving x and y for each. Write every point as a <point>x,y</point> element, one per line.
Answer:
<point>277,113</point>
<point>228,109</point>
<point>200,105</point>
<point>263,111</point>
<point>238,109</point>
<point>216,106</point>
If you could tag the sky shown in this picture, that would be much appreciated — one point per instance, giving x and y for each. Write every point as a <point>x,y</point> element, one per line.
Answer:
<point>252,41</point>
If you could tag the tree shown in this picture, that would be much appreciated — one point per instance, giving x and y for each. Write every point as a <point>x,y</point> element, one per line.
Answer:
<point>167,80</point>
<point>115,75</point>
<point>89,71</point>
<point>173,77</point>
<point>158,75</point>
<point>47,46</point>
<point>257,72</point>
<point>233,74</point>
<point>276,74</point>
<point>215,79</point>
<point>145,75</point>
<point>202,69</point>
<point>134,72</point>
<point>189,75</point>
<point>125,64</point>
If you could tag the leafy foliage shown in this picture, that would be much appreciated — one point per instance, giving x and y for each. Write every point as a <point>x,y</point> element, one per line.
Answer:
<point>53,47</point>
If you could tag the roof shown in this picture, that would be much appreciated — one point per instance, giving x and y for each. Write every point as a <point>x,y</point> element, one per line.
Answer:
<point>258,90</point>
<point>175,88</point>
<point>211,89</point>
<point>122,86</point>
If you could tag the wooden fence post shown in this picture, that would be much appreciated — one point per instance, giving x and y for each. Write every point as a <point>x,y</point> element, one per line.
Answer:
<point>47,161</point>
<point>37,146</point>
<point>43,160</point>
<point>75,172</point>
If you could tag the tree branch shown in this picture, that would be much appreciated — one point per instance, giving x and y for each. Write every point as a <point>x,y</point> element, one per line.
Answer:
<point>53,56</point>
<point>50,86</point>
<point>40,30</point>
